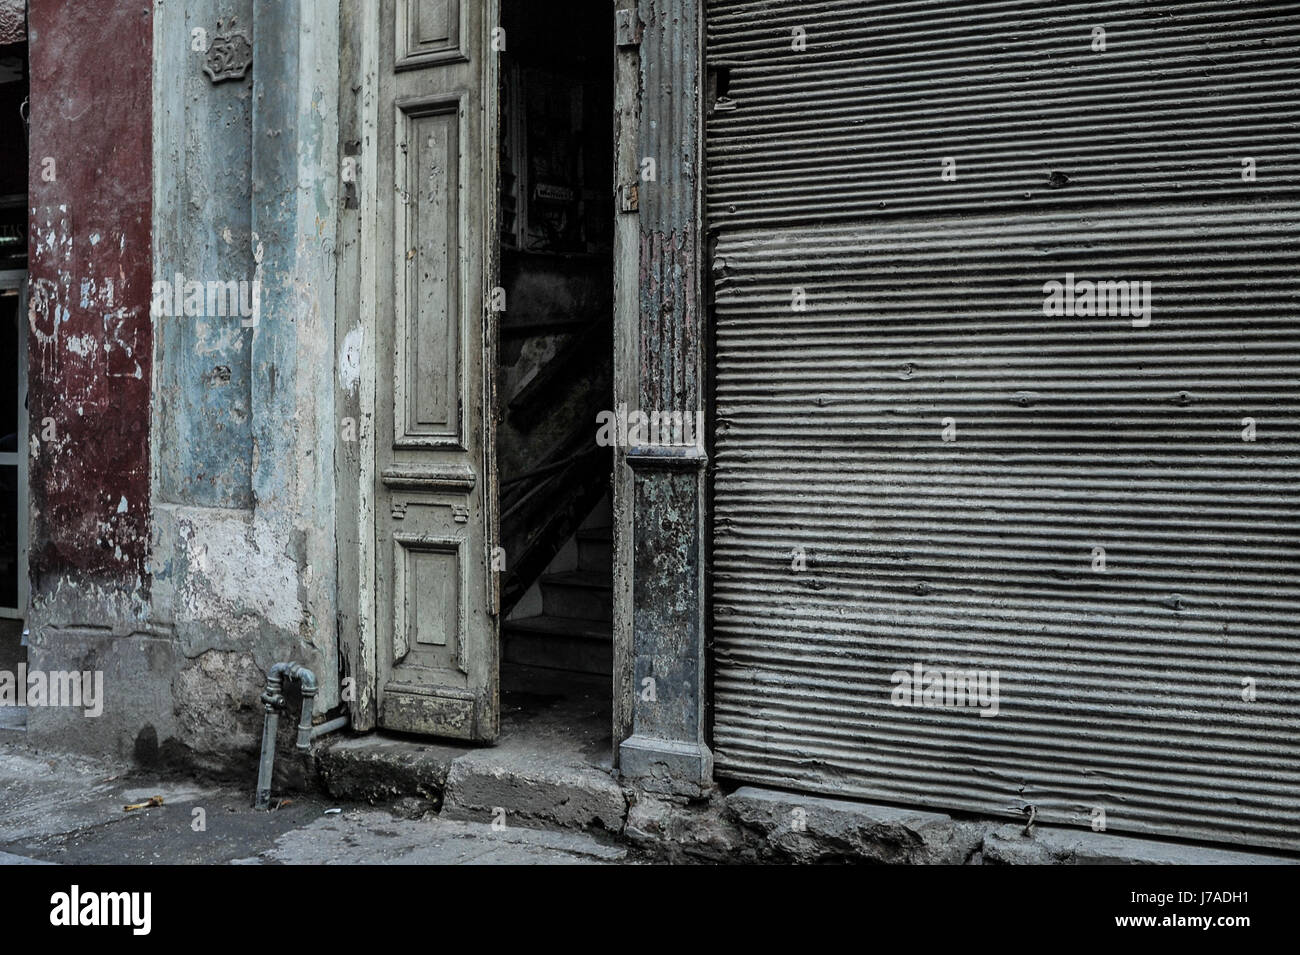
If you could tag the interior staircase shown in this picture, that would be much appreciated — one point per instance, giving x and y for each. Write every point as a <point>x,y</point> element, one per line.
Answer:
<point>556,378</point>
<point>564,622</point>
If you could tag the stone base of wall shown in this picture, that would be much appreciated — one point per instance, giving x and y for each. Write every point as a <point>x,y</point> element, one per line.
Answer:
<point>161,709</point>
<point>759,825</point>
<point>521,784</point>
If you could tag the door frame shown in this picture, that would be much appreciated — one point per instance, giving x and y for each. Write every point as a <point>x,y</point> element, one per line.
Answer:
<point>641,54</point>
<point>17,279</point>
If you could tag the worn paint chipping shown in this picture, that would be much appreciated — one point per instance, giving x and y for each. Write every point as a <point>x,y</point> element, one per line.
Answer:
<point>89,311</point>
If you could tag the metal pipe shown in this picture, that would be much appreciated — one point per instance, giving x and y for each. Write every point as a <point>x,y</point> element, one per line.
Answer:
<point>270,725</point>
<point>272,703</point>
<point>307,681</point>
<point>330,726</point>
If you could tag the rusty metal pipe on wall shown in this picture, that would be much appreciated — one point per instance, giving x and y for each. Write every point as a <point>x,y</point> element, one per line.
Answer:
<point>272,703</point>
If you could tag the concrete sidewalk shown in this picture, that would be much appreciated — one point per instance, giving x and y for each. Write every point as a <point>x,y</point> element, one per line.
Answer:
<point>69,810</point>
<point>545,794</point>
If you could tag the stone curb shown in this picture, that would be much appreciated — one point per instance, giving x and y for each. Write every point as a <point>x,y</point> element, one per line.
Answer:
<point>748,825</point>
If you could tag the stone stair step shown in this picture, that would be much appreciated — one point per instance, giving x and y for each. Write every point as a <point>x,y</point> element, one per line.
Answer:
<point>577,645</point>
<point>596,549</point>
<point>578,594</point>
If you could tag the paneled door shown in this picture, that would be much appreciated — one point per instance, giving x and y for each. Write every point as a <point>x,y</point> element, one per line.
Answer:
<point>436,627</point>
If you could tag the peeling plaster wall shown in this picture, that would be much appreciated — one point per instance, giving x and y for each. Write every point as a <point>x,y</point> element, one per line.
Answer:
<point>186,576</point>
<point>244,544</point>
<point>203,192</point>
<point>90,346</point>
<point>90,336</point>
<point>295,214</point>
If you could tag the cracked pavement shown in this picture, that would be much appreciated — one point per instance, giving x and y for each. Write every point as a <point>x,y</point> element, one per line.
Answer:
<point>64,809</point>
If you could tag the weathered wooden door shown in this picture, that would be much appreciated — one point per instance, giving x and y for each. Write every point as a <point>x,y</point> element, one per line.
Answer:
<point>436,633</point>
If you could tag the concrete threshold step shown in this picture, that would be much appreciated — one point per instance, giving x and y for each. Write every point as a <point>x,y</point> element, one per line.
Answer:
<point>519,781</point>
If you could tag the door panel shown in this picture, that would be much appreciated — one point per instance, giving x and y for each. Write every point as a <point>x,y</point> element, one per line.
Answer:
<point>434,519</point>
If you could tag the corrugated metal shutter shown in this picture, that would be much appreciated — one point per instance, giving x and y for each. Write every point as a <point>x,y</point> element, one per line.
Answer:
<point>862,303</point>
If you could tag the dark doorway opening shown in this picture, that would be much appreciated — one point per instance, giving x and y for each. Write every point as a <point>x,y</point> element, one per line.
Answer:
<point>13,370</point>
<point>555,370</point>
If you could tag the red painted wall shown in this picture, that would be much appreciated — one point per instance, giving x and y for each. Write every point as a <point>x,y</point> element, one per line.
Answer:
<point>90,340</point>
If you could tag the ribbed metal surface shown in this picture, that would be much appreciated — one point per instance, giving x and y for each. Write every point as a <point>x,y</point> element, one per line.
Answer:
<point>857,124</point>
<point>1120,690</point>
